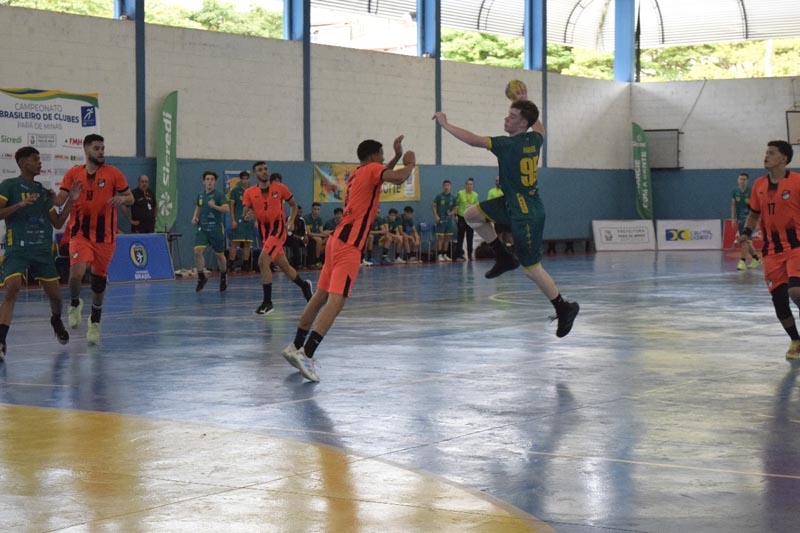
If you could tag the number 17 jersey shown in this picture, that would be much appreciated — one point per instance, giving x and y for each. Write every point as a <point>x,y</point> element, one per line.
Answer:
<point>779,208</point>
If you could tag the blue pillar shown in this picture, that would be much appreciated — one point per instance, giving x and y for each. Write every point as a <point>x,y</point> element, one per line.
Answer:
<point>297,27</point>
<point>624,39</point>
<point>535,35</point>
<point>134,10</point>
<point>429,44</point>
<point>125,8</point>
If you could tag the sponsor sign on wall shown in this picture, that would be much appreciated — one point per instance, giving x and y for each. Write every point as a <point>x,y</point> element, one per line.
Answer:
<point>689,234</point>
<point>621,235</point>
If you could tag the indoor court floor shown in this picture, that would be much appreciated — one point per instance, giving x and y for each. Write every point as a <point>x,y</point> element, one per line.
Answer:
<point>446,404</point>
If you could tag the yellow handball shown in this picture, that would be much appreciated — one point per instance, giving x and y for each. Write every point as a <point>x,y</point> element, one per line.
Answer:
<point>515,89</point>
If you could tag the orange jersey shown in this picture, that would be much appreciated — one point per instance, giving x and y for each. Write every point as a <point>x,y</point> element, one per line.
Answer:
<point>360,204</point>
<point>268,208</point>
<point>779,208</point>
<point>92,215</point>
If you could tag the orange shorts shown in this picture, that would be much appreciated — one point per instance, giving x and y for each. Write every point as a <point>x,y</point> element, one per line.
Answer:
<point>82,250</point>
<point>780,267</point>
<point>273,246</point>
<point>339,273</point>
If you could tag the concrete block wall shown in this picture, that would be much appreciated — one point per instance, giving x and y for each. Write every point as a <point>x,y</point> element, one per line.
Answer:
<point>725,123</point>
<point>238,97</point>
<point>46,50</point>
<point>357,95</point>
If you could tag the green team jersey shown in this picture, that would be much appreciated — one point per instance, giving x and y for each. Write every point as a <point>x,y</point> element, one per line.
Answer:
<point>518,162</point>
<point>314,225</point>
<point>235,196</point>
<point>377,224</point>
<point>444,204</point>
<point>740,202</point>
<point>210,219</point>
<point>408,224</point>
<point>330,225</point>
<point>29,228</point>
<point>394,224</point>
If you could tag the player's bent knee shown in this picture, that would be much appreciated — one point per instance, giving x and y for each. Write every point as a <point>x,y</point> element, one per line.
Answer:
<point>99,283</point>
<point>780,300</point>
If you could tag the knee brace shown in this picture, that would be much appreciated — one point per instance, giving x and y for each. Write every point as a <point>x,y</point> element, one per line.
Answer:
<point>98,283</point>
<point>780,300</point>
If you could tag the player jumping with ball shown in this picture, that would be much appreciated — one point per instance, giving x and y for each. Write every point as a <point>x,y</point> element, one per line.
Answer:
<point>520,206</point>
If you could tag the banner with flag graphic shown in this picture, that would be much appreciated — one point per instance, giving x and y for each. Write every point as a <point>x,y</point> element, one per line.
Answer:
<point>641,169</point>
<point>167,163</point>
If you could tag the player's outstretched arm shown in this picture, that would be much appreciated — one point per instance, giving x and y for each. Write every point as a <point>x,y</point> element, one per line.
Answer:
<point>397,177</point>
<point>461,134</point>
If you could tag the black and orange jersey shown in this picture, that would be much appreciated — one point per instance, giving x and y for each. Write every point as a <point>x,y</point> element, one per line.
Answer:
<point>93,216</point>
<point>360,204</point>
<point>779,208</point>
<point>267,205</point>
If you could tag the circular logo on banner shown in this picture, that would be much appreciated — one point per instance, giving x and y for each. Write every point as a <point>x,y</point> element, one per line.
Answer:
<point>138,254</point>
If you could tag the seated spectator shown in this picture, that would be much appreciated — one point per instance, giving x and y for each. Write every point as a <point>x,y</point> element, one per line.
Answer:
<point>317,236</point>
<point>297,240</point>
<point>410,234</point>
<point>395,225</point>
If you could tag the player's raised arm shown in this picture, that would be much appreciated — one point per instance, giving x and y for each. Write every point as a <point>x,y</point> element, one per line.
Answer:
<point>398,152</point>
<point>397,177</point>
<point>460,133</point>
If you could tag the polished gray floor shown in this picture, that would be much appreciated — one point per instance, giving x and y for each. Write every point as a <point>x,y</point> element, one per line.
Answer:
<point>669,407</point>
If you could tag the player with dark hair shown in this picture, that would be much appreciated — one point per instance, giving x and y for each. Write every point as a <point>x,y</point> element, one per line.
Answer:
<point>344,248</point>
<point>93,228</point>
<point>520,206</point>
<point>775,206</point>
<point>739,211</point>
<point>242,231</point>
<point>28,209</point>
<point>263,203</point>
<point>209,210</point>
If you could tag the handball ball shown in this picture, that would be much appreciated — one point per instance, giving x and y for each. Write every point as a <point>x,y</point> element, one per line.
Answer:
<point>514,88</point>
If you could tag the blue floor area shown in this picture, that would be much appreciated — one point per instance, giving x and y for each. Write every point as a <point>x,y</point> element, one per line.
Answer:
<point>669,407</point>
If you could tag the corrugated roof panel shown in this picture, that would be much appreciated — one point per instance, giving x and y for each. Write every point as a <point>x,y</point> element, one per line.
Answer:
<point>590,23</point>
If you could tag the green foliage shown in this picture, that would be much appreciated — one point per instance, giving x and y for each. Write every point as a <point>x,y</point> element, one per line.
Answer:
<point>747,59</point>
<point>95,8</point>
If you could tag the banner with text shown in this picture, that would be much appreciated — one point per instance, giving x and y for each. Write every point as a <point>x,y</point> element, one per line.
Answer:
<point>54,122</point>
<point>167,162</point>
<point>623,235</point>
<point>330,184</point>
<point>689,234</point>
<point>641,170</point>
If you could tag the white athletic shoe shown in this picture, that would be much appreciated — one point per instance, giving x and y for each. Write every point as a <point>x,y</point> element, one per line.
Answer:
<point>298,359</point>
<point>93,333</point>
<point>74,314</point>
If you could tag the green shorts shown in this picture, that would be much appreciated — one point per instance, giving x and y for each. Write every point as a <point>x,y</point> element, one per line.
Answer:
<point>525,215</point>
<point>445,226</point>
<point>245,232</point>
<point>213,238</point>
<point>40,265</point>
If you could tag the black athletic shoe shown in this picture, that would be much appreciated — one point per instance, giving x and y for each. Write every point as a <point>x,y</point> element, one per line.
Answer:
<point>61,332</point>
<point>566,318</point>
<point>308,292</point>
<point>265,308</point>
<point>502,265</point>
<point>200,284</point>
<point>223,282</point>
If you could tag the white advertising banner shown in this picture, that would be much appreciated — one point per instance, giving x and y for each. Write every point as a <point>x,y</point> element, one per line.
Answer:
<point>54,122</point>
<point>689,234</point>
<point>623,235</point>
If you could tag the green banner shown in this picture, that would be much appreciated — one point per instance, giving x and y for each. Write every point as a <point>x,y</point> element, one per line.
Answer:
<point>167,163</point>
<point>641,169</point>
